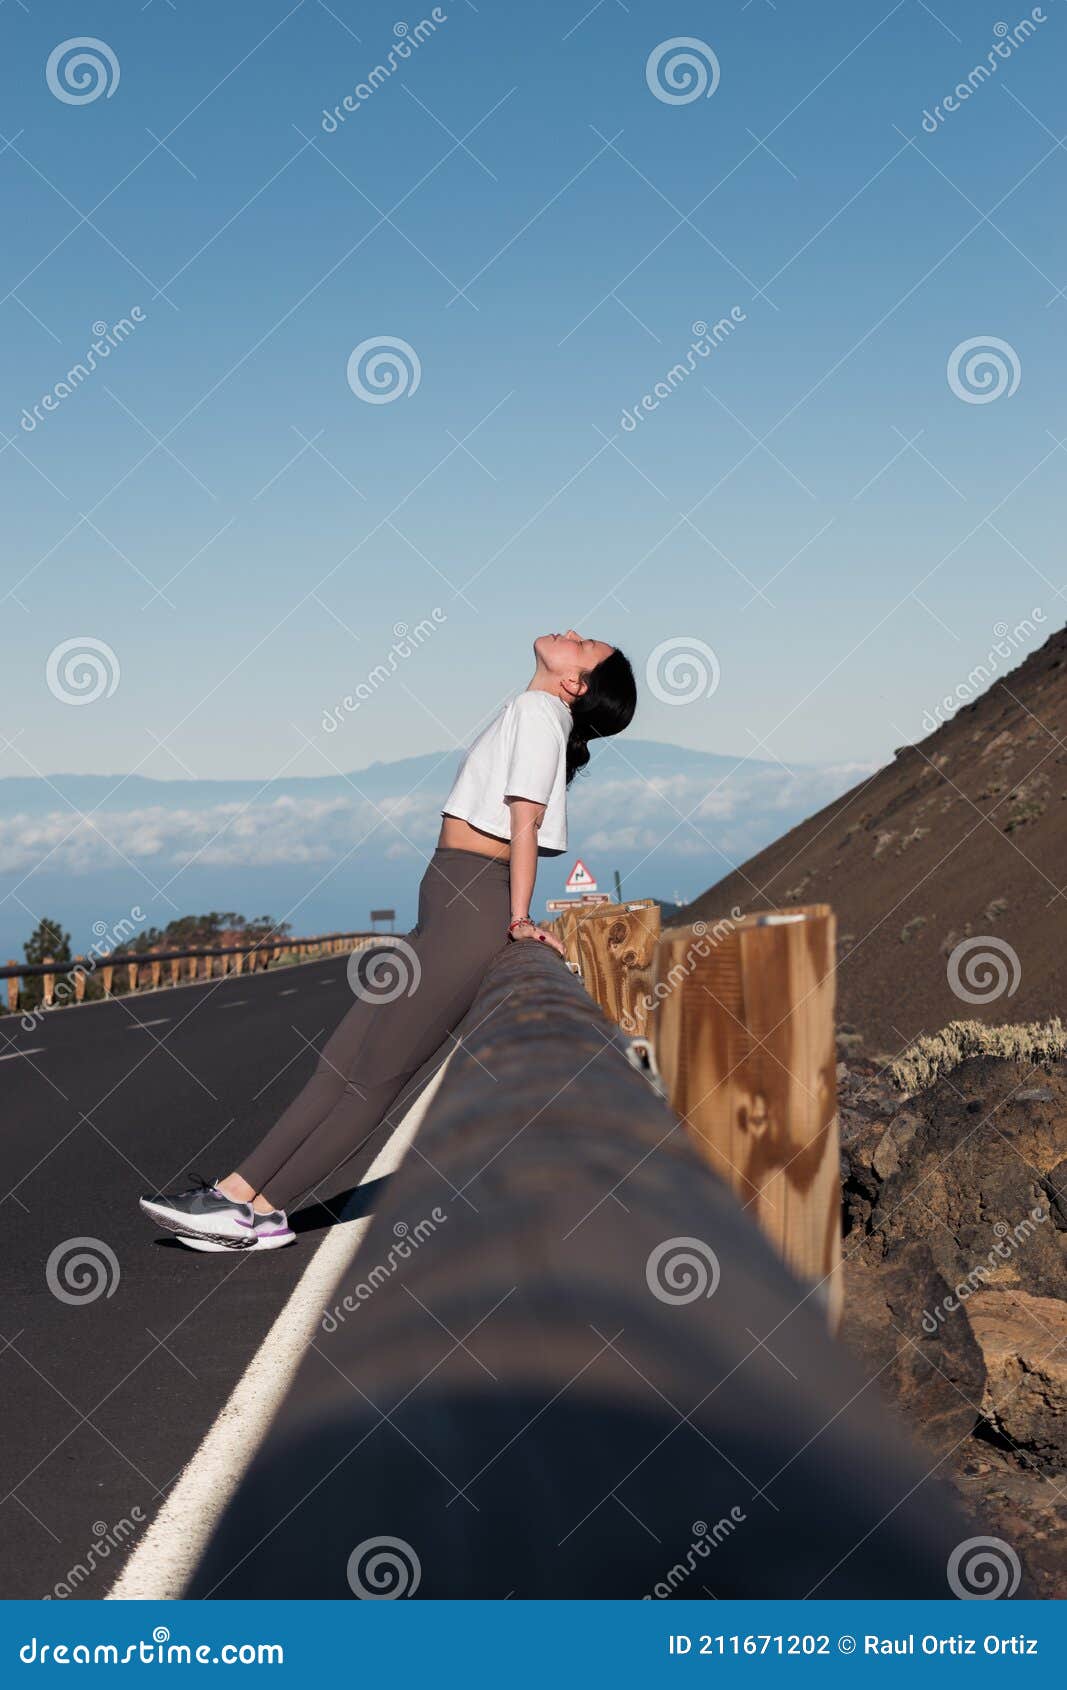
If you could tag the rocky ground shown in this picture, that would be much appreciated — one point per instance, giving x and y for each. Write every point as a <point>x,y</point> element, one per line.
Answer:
<point>956,1282</point>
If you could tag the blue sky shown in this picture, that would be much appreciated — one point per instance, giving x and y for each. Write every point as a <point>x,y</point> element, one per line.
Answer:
<point>520,156</point>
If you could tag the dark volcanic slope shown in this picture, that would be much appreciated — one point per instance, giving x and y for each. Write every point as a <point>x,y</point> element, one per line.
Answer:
<point>963,836</point>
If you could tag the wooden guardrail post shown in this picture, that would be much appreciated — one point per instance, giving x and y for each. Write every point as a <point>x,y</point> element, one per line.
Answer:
<point>155,968</point>
<point>615,946</point>
<point>48,984</point>
<point>743,1032</point>
<point>12,986</point>
<point>80,977</point>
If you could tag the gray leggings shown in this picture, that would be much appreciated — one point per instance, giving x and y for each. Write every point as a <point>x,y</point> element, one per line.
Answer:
<point>408,1000</point>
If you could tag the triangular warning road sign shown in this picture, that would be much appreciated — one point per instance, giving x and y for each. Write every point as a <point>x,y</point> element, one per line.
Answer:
<point>580,879</point>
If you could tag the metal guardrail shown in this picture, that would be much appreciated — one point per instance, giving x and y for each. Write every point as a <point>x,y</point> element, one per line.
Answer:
<point>566,1363</point>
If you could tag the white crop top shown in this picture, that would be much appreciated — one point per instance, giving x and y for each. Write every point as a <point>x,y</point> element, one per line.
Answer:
<point>521,754</point>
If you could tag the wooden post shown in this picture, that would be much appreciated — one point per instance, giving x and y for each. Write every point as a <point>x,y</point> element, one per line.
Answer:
<point>107,974</point>
<point>133,969</point>
<point>175,970</point>
<point>48,985</point>
<point>79,979</point>
<point>156,968</point>
<point>743,1029</point>
<point>12,985</point>
<point>615,947</point>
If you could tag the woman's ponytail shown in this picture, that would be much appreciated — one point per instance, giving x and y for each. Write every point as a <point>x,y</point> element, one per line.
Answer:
<point>605,708</point>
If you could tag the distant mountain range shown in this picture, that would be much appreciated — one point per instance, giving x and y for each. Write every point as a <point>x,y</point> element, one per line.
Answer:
<point>945,868</point>
<point>320,851</point>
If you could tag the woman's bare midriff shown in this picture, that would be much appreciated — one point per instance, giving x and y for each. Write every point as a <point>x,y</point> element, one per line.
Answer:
<point>457,835</point>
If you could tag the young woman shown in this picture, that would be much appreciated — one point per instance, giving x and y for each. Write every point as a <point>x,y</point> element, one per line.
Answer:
<point>508,804</point>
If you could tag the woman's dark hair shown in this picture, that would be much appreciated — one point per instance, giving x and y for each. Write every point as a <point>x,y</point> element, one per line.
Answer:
<point>605,708</point>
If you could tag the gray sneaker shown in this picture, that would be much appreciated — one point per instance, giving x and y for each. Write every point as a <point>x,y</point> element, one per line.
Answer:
<point>205,1219</point>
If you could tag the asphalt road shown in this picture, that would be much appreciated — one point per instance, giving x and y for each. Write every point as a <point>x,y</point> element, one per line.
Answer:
<point>108,1395</point>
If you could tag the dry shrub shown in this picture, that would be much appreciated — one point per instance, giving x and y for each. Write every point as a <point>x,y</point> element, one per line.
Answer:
<point>935,1054</point>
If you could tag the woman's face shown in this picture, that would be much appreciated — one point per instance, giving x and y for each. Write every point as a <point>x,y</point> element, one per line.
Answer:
<point>568,654</point>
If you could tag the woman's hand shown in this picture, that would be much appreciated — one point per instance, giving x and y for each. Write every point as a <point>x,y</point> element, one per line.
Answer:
<point>527,929</point>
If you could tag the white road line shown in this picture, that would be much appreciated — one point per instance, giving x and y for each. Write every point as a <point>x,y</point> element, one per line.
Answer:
<point>236,1004</point>
<point>290,991</point>
<point>34,1050</point>
<point>160,1021</point>
<point>169,1553</point>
